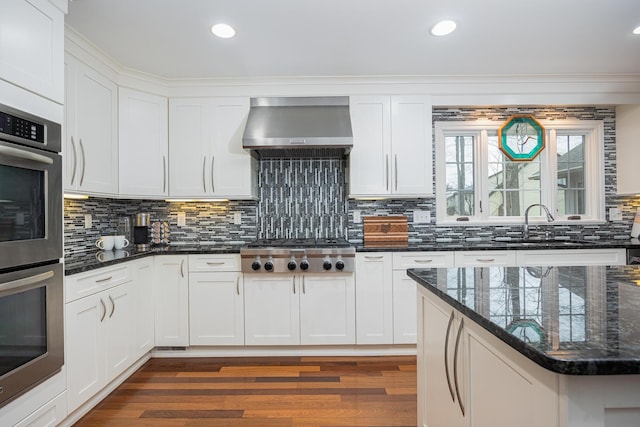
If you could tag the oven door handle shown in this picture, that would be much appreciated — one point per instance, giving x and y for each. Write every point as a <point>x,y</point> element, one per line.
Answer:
<point>27,280</point>
<point>26,155</point>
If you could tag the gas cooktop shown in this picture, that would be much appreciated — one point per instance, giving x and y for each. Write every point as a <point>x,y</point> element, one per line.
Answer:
<point>323,255</point>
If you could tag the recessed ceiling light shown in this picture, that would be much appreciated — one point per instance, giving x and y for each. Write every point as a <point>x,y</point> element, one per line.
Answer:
<point>223,31</point>
<point>443,28</point>
<point>636,30</point>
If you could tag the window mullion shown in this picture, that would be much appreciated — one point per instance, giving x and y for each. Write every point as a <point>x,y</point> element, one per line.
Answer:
<point>482,178</point>
<point>549,174</point>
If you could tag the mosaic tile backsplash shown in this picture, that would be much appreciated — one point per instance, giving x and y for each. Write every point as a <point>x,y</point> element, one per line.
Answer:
<point>308,198</point>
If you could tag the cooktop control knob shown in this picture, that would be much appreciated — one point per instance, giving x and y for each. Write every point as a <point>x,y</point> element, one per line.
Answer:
<point>292,264</point>
<point>340,265</point>
<point>304,264</point>
<point>327,264</point>
<point>268,265</point>
<point>255,265</point>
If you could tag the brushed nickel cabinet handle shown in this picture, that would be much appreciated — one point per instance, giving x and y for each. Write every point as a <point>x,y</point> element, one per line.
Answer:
<point>293,281</point>
<point>204,180</point>
<point>373,257</point>
<point>182,268</point>
<point>238,285</point>
<point>422,261</point>
<point>455,365</point>
<point>84,162</point>
<point>485,259</point>
<point>387,171</point>
<point>164,174</point>
<point>215,263</point>
<point>75,160</point>
<point>104,310</point>
<point>446,356</point>
<point>395,161</point>
<point>304,286</point>
<point>106,279</point>
<point>113,307</point>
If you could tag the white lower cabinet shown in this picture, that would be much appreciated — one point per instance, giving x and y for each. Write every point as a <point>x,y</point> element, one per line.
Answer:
<point>404,290</point>
<point>464,379</point>
<point>374,298</point>
<point>171,300</point>
<point>216,314</point>
<point>98,341</point>
<point>299,309</point>
<point>143,285</point>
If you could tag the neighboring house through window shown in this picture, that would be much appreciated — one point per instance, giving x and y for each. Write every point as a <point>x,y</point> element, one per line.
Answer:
<point>477,183</point>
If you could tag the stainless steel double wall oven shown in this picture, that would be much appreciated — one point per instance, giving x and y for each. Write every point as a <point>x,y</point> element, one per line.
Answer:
<point>31,229</point>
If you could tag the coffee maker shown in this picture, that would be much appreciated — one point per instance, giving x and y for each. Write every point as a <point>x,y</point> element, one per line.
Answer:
<point>141,231</point>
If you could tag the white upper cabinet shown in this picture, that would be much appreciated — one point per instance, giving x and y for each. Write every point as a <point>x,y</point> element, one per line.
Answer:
<point>205,147</point>
<point>91,130</point>
<point>32,47</point>
<point>143,144</point>
<point>392,146</point>
<point>628,148</point>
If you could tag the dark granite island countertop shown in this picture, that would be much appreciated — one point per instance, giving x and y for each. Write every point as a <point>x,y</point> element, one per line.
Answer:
<point>579,320</point>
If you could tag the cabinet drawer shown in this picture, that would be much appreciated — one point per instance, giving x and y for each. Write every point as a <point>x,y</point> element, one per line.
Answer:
<point>83,284</point>
<point>485,258</point>
<point>222,262</point>
<point>404,260</point>
<point>559,257</point>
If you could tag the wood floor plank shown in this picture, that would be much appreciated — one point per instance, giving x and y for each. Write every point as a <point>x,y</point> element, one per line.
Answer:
<point>283,392</point>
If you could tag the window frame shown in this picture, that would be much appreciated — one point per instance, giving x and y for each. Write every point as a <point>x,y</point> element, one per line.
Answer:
<point>593,131</point>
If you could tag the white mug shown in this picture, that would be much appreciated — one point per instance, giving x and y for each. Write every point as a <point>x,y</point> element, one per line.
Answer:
<point>105,243</point>
<point>120,242</point>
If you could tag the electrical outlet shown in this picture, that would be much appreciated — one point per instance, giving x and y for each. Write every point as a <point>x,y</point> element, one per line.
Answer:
<point>421,217</point>
<point>87,221</point>
<point>237,218</point>
<point>182,219</point>
<point>615,214</point>
<point>357,217</point>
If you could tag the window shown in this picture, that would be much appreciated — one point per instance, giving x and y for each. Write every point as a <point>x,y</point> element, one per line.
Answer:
<point>477,183</point>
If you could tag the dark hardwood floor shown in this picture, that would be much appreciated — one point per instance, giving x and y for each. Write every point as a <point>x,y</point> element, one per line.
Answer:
<point>257,391</point>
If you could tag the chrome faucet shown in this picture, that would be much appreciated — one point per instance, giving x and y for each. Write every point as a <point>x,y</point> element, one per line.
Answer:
<point>525,230</point>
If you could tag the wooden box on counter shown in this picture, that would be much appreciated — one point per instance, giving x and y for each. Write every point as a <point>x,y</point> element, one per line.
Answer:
<point>385,231</point>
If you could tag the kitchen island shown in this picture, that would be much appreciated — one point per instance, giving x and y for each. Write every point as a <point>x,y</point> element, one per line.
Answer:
<point>529,346</point>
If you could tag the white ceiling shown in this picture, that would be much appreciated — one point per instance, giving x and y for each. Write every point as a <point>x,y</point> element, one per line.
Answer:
<point>275,38</point>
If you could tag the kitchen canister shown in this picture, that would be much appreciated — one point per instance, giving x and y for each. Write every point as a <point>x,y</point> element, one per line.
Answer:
<point>635,228</point>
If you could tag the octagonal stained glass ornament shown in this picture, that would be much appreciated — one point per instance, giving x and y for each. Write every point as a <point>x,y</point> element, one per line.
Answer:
<point>521,138</point>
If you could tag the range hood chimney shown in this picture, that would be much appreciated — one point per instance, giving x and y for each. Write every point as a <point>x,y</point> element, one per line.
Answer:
<point>299,127</point>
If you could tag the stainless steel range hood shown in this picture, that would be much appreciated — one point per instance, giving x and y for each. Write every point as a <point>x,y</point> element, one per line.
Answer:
<point>299,127</point>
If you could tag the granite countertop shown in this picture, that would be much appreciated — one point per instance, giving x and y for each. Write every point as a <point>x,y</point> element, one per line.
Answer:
<point>579,320</point>
<point>79,262</point>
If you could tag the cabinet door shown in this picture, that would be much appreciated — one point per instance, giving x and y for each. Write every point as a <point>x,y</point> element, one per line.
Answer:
<point>327,309</point>
<point>95,109</point>
<point>143,144</point>
<point>374,298</point>
<point>272,310</point>
<point>404,308</point>
<point>216,308</point>
<point>558,257</point>
<point>171,301</point>
<point>230,166</point>
<point>438,403</point>
<point>143,286</point>
<point>411,141</point>
<point>189,148</point>
<point>118,323</point>
<point>370,158</point>
<point>32,46</point>
<point>85,347</point>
